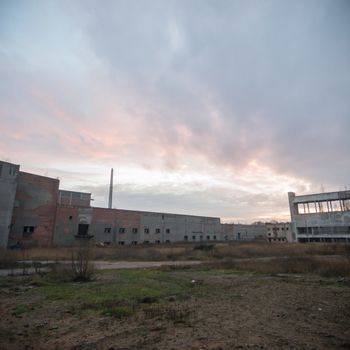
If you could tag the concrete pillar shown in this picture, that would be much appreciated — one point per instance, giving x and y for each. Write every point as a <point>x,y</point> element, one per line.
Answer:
<point>8,187</point>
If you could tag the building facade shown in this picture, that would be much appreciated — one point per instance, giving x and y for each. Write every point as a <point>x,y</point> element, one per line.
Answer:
<point>279,232</point>
<point>35,212</point>
<point>321,217</point>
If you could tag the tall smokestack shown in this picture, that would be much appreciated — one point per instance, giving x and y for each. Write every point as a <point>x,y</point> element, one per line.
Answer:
<point>110,200</point>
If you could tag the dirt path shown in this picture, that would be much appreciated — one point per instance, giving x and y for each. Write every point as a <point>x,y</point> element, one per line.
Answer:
<point>99,265</point>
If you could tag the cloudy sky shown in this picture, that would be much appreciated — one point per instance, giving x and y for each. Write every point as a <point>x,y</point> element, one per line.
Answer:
<point>204,107</point>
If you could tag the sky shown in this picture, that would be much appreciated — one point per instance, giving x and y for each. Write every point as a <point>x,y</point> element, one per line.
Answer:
<point>215,108</point>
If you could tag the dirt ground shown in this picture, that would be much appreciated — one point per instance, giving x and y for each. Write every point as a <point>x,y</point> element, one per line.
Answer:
<point>209,310</point>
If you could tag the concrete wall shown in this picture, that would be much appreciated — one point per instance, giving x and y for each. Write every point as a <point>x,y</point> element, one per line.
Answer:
<point>35,210</point>
<point>320,226</point>
<point>243,232</point>
<point>279,232</point>
<point>8,186</point>
<point>77,199</point>
<point>115,226</point>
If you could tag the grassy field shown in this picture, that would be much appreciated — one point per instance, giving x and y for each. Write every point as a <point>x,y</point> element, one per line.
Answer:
<point>192,251</point>
<point>243,296</point>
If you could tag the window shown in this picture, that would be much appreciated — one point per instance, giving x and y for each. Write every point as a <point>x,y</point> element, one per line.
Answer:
<point>121,242</point>
<point>185,238</point>
<point>201,238</point>
<point>70,217</point>
<point>167,241</point>
<point>208,238</point>
<point>193,238</point>
<point>167,230</point>
<point>145,242</point>
<point>157,241</point>
<point>28,229</point>
<point>146,230</point>
<point>121,229</point>
<point>226,237</point>
<point>134,230</point>
<point>108,229</point>
<point>214,237</point>
<point>157,230</point>
<point>134,242</point>
<point>83,229</point>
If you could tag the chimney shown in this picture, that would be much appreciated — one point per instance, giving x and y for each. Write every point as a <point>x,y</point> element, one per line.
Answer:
<point>110,200</point>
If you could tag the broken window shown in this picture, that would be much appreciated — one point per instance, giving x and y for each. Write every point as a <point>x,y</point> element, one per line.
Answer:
<point>83,229</point>
<point>28,229</point>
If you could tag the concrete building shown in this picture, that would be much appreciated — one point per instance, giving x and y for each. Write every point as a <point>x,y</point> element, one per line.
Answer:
<point>279,232</point>
<point>8,187</point>
<point>321,217</point>
<point>242,232</point>
<point>35,212</point>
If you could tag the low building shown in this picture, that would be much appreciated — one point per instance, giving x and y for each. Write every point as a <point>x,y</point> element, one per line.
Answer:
<point>321,217</point>
<point>35,212</point>
<point>279,232</point>
<point>242,232</point>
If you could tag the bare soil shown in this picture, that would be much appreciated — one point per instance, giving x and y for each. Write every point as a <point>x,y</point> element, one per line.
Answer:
<point>214,310</point>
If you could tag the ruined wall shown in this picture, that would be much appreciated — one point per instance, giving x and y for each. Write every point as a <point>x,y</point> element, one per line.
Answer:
<point>243,232</point>
<point>319,219</point>
<point>77,199</point>
<point>8,186</point>
<point>35,210</point>
<point>68,220</point>
<point>124,227</point>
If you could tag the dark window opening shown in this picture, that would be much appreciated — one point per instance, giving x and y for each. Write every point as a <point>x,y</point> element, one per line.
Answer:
<point>157,230</point>
<point>28,230</point>
<point>157,241</point>
<point>121,242</point>
<point>134,230</point>
<point>214,237</point>
<point>185,238</point>
<point>193,238</point>
<point>167,230</point>
<point>208,238</point>
<point>108,229</point>
<point>134,242</point>
<point>70,217</point>
<point>121,229</point>
<point>83,229</point>
<point>146,230</point>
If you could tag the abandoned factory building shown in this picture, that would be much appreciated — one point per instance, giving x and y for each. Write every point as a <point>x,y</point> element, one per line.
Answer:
<point>35,212</point>
<point>321,217</point>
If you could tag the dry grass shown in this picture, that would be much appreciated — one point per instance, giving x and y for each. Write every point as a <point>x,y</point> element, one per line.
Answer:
<point>232,250</point>
<point>334,266</point>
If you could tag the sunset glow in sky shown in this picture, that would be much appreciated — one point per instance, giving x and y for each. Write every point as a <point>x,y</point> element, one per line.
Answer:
<point>214,108</point>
